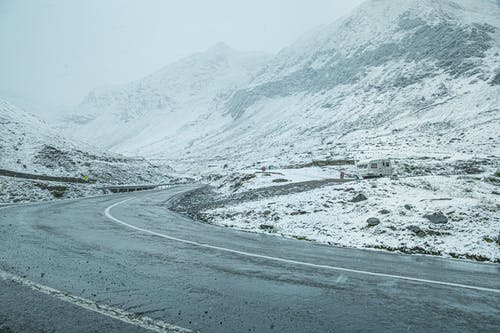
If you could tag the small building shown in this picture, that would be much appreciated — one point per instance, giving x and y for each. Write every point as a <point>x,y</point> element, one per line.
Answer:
<point>374,168</point>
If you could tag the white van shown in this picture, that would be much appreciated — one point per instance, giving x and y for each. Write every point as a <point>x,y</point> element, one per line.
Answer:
<point>375,168</point>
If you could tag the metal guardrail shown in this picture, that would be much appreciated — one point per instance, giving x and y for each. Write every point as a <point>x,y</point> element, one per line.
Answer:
<point>134,188</point>
<point>127,188</point>
<point>110,188</point>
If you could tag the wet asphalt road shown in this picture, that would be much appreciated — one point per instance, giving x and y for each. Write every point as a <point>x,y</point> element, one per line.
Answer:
<point>73,247</point>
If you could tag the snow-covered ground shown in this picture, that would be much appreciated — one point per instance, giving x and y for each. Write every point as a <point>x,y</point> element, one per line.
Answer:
<point>15,190</point>
<point>465,211</point>
<point>247,180</point>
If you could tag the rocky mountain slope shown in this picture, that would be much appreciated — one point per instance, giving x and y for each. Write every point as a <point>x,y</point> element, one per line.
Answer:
<point>402,79</point>
<point>127,118</point>
<point>395,78</point>
<point>29,145</point>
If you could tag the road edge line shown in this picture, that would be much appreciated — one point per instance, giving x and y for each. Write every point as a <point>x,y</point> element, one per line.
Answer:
<point>107,213</point>
<point>106,310</point>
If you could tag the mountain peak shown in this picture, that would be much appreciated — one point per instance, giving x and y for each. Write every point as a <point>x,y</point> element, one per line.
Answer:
<point>221,48</point>
<point>388,60</point>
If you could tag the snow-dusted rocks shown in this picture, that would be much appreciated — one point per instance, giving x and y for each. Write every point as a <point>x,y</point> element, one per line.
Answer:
<point>358,198</point>
<point>327,215</point>
<point>437,218</point>
<point>373,221</point>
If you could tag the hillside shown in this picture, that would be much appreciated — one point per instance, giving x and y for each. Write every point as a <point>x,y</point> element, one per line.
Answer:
<point>127,118</point>
<point>406,78</point>
<point>401,79</point>
<point>29,145</point>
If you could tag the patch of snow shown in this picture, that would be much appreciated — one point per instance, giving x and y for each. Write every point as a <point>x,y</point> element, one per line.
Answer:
<point>328,215</point>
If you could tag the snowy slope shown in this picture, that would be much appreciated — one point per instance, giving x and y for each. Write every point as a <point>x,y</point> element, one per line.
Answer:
<point>328,215</point>
<point>30,145</point>
<point>409,78</point>
<point>155,108</point>
<point>385,76</point>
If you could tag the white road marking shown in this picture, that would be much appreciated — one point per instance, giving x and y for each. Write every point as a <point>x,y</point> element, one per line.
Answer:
<point>290,261</point>
<point>106,310</point>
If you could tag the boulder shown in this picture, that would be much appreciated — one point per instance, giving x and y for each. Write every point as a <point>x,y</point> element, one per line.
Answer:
<point>416,230</point>
<point>488,239</point>
<point>266,227</point>
<point>299,212</point>
<point>384,211</point>
<point>359,197</point>
<point>373,221</point>
<point>437,218</point>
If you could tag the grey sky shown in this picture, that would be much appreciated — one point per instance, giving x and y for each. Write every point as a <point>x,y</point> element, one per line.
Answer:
<point>52,52</point>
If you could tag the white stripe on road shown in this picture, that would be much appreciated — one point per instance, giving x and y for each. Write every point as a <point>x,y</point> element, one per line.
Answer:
<point>106,310</point>
<point>290,261</point>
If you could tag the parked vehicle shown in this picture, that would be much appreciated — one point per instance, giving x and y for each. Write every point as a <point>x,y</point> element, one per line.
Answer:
<point>375,168</point>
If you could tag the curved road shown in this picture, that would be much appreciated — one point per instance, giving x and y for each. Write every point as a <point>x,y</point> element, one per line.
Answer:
<point>124,263</point>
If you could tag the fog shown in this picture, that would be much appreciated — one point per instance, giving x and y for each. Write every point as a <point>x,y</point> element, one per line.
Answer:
<point>54,52</point>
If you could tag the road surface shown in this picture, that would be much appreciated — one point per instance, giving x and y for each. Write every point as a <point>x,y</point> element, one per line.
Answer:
<point>124,263</point>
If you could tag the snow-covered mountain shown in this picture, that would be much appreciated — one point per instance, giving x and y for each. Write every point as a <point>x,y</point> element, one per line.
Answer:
<point>386,75</point>
<point>395,78</point>
<point>158,106</point>
<point>29,145</point>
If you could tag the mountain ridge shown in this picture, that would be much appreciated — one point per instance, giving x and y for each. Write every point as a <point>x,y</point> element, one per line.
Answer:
<point>30,145</point>
<point>384,67</point>
<point>174,95</point>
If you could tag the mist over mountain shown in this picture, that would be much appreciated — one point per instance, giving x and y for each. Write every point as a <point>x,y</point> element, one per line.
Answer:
<point>383,76</point>
<point>158,106</point>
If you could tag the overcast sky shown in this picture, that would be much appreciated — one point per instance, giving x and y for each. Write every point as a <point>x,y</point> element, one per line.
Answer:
<point>52,52</point>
